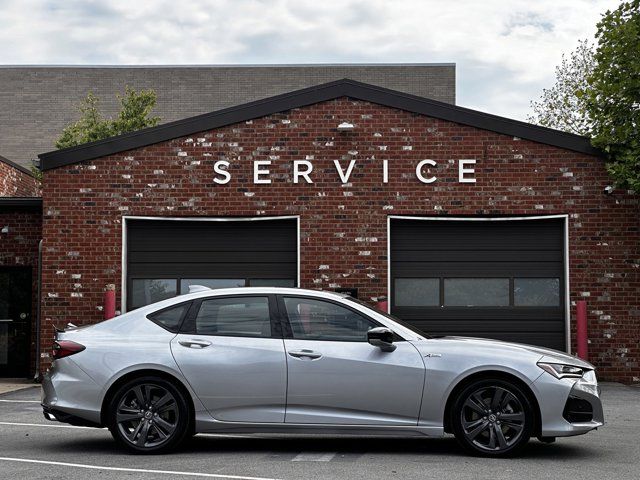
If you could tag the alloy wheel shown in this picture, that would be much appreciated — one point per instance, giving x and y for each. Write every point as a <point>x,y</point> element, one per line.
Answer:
<point>147,415</point>
<point>492,418</point>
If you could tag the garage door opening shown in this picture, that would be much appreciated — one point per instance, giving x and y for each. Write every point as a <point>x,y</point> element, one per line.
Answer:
<point>163,257</point>
<point>493,278</point>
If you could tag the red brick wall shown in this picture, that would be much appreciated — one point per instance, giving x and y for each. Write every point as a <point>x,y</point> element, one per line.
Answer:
<point>84,204</point>
<point>19,247</point>
<point>16,183</point>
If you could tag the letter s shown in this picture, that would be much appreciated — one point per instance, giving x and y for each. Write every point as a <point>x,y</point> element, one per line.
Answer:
<point>217,167</point>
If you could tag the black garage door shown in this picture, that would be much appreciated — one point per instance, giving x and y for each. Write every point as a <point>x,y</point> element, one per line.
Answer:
<point>165,257</point>
<point>495,279</point>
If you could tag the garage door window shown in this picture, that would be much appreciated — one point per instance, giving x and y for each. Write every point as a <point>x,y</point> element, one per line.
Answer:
<point>417,292</point>
<point>272,282</point>
<point>146,291</point>
<point>210,282</point>
<point>476,292</point>
<point>235,317</point>
<point>536,292</point>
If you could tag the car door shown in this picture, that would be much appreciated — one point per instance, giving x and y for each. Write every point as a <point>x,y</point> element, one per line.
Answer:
<point>336,377</point>
<point>231,351</point>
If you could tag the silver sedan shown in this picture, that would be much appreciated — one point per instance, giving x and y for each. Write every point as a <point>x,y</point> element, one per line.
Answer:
<point>280,360</point>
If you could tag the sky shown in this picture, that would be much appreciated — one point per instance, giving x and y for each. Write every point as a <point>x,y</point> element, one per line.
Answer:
<point>505,51</point>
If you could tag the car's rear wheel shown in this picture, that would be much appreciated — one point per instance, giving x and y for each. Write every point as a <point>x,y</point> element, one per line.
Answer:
<point>149,415</point>
<point>492,417</point>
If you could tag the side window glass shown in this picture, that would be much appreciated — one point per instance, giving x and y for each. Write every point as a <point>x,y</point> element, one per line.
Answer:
<point>170,318</point>
<point>235,317</point>
<point>318,320</point>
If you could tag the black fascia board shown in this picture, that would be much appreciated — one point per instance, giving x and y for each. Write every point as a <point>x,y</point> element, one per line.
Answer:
<point>310,96</point>
<point>21,202</point>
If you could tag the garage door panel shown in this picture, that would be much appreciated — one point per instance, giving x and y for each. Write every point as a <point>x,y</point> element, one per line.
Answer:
<point>474,237</point>
<point>176,240</point>
<point>477,269</point>
<point>214,270</point>
<point>434,253</point>
<point>413,256</point>
<point>210,257</point>
<point>480,315</point>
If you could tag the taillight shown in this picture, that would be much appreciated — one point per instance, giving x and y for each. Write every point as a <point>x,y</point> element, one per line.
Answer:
<point>64,348</point>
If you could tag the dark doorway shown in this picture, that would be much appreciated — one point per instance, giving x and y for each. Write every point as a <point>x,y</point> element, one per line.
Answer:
<point>15,321</point>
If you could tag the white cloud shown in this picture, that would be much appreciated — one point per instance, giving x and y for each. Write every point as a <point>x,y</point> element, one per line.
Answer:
<point>505,50</point>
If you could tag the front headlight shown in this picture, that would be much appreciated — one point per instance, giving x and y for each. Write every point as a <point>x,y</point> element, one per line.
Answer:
<point>560,370</point>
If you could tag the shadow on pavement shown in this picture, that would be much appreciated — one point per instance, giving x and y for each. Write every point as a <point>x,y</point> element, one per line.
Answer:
<point>283,446</point>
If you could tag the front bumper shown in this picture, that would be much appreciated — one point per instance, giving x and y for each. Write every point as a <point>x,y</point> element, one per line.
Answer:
<point>568,406</point>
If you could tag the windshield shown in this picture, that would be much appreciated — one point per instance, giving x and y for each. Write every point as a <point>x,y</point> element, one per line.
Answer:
<point>406,325</point>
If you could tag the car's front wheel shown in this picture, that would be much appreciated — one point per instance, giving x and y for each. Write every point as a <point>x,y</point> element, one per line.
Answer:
<point>148,415</point>
<point>492,417</point>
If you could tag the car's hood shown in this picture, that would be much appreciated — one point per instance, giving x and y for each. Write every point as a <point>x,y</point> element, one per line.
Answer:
<point>547,354</point>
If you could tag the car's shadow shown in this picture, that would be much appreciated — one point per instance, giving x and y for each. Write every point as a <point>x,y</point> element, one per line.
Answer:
<point>287,447</point>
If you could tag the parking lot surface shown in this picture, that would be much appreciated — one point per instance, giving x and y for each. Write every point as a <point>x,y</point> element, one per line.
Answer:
<point>33,448</point>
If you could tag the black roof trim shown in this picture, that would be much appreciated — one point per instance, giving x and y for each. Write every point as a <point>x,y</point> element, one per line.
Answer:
<point>28,202</point>
<point>17,166</point>
<point>309,96</point>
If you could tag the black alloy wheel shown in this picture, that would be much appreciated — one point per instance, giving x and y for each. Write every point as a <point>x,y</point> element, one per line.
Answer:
<point>148,415</point>
<point>492,418</point>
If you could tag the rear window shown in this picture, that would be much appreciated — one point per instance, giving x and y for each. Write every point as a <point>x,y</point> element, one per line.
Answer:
<point>170,318</point>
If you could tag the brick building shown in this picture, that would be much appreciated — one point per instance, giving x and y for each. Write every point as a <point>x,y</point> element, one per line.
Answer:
<point>468,223</point>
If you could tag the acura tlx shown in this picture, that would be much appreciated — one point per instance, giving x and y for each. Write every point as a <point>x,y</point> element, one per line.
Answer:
<point>284,360</point>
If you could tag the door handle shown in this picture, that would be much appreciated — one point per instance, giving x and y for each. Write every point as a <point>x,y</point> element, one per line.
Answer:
<point>194,343</point>
<point>305,354</point>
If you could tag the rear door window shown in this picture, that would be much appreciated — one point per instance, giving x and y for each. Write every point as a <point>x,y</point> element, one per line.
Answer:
<point>235,316</point>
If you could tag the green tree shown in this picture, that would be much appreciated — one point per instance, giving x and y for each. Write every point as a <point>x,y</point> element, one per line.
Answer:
<point>134,114</point>
<point>564,106</point>
<point>613,93</point>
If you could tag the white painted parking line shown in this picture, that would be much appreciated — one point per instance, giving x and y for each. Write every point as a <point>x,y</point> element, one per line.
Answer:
<point>136,470</point>
<point>314,457</point>
<point>20,401</point>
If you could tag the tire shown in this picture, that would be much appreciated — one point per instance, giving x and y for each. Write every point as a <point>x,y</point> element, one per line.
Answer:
<point>149,415</point>
<point>492,417</point>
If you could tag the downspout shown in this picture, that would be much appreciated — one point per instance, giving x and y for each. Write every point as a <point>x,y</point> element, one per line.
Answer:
<point>38,289</point>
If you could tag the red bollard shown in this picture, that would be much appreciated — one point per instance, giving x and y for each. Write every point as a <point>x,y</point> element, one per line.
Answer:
<point>383,305</point>
<point>109,301</point>
<point>581,330</point>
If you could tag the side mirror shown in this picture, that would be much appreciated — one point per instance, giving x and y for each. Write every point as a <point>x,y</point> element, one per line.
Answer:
<point>382,338</point>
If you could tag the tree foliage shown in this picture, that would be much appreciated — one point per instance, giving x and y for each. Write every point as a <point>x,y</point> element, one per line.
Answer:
<point>564,106</point>
<point>613,93</point>
<point>134,114</point>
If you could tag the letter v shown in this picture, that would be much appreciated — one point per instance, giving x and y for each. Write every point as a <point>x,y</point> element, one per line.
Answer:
<point>344,177</point>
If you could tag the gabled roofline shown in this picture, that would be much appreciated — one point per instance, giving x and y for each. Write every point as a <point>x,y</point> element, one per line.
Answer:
<point>17,166</point>
<point>310,96</point>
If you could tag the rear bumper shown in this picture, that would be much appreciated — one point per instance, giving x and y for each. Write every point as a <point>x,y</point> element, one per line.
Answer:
<point>70,395</point>
<point>54,415</point>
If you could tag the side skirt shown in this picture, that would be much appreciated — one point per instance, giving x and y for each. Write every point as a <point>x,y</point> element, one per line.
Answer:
<point>204,425</point>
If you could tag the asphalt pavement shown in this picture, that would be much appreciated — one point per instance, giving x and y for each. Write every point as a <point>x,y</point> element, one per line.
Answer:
<point>34,448</point>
